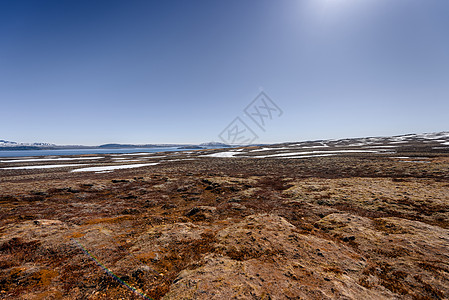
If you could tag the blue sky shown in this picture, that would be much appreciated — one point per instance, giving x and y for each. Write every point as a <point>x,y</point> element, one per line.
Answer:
<point>93,72</point>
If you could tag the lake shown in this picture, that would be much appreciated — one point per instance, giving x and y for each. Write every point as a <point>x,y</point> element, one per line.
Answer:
<point>22,153</point>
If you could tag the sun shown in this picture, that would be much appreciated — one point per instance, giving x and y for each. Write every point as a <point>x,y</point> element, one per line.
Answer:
<point>339,7</point>
<point>335,3</point>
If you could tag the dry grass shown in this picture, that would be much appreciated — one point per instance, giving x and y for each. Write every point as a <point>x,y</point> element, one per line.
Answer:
<point>109,213</point>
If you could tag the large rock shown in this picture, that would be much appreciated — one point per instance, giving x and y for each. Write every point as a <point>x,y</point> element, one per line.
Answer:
<point>265,257</point>
<point>202,212</point>
<point>408,257</point>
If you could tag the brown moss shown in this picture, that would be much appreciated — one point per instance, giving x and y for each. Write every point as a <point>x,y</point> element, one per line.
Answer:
<point>111,220</point>
<point>44,277</point>
<point>359,186</point>
<point>146,257</point>
<point>333,269</point>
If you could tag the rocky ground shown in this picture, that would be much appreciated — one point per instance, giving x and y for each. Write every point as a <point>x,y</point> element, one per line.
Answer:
<point>225,224</point>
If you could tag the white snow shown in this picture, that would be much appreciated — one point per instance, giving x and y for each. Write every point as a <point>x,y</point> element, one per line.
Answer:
<point>317,146</point>
<point>353,145</point>
<point>316,152</point>
<point>108,168</point>
<point>407,157</point>
<point>129,160</point>
<point>179,159</point>
<point>125,159</point>
<point>269,149</point>
<point>140,154</point>
<point>405,136</point>
<point>380,146</point>
<point>433,136</point>
<point>50,159</point>
<point>42,167</point>
<point>302,145</point>
<point>309,156</point>
<point>261,149</point>
<point>222,154</point>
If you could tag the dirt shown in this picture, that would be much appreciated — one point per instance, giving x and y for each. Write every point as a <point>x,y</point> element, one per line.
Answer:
<point>343,227</point>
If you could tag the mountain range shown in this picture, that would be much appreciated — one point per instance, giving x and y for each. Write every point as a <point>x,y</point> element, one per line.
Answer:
<point>440,137</point>
<point>10,145</point>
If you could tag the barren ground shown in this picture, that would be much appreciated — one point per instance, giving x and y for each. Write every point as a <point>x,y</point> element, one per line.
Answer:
<point>353,226</point>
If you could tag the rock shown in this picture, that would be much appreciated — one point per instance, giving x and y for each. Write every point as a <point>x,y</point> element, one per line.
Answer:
<point>213,186</point>
<point>235,200</point>
<point>264,256</point>
<point>150,203</point>
<point>119,180</point>
<point>156,244</point>
<point>206,181</point>
<point>348,238</point>
<point>398,247</point>
<point>169,206</point>
<point>202,212</point>
<point>73,191</point>
<point>237,206</point>
<point>130,211</point>
<point>129,196</point>
<point>48,231</point>
<point>8,198</point>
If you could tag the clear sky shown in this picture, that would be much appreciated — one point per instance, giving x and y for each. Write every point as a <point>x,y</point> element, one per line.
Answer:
<point>93,72</point>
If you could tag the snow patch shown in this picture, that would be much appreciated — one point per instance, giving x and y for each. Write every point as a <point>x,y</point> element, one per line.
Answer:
<point>222,154</point>
<point>309,156</point>
<point>317,152</point>
<point>42,167</point>
<point>50,159</point>
<point>270,149</point>
<point>110,168</point>
<point>129,160</point>
<point>380,146</point>
<point>317,146</point>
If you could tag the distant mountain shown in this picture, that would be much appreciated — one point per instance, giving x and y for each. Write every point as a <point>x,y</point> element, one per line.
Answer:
<point>7,143</point>
<point>214,144</point>
<point>439,138</point>
<point>190,147</point>
<point>22,146</point>
<point>179,146</point>
<point>122,146</point>
<point>116,146</point>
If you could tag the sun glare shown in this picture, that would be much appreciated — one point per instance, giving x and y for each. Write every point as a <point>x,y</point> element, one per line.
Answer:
<point>331,9</point>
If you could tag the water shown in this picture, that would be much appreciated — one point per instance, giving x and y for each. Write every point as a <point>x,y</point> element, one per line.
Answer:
<point>22,153</point>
